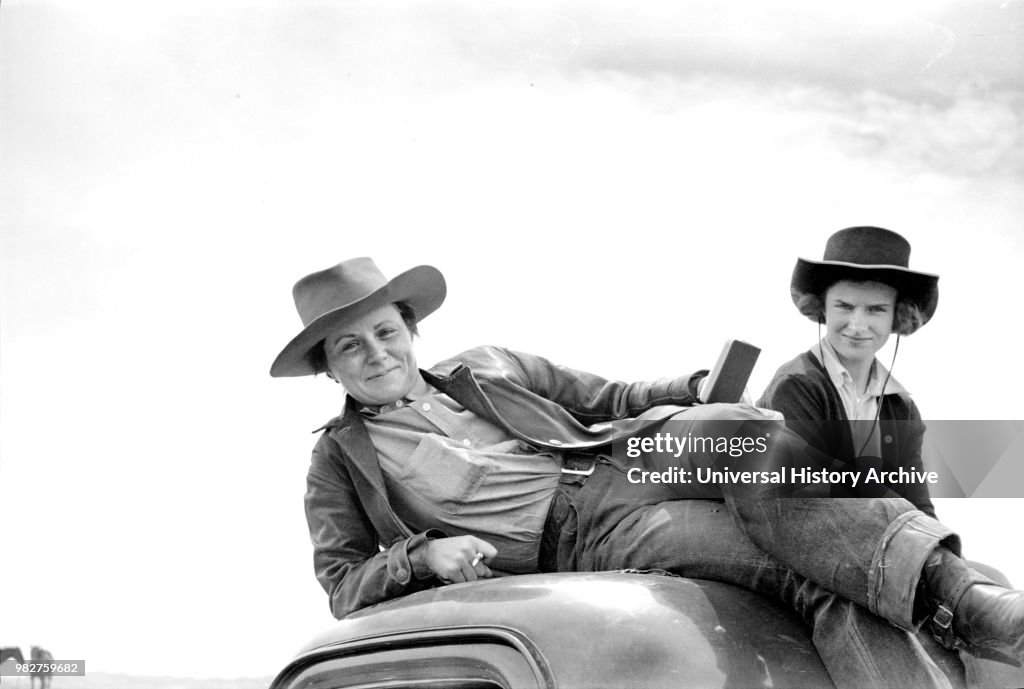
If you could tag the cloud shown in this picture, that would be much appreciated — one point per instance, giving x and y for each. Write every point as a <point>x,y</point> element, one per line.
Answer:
<point>913,50</point>
<point>970,137</point>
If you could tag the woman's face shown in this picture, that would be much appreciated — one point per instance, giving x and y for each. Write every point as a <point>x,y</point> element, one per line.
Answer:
<point>372,357</point>
<point>859,318</point>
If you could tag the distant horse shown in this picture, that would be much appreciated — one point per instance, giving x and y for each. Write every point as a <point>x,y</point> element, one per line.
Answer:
<point>41,655</point>
<point>11,652</point>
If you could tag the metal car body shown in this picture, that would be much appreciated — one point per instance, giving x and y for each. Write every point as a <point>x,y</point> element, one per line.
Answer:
<point>579,630</point>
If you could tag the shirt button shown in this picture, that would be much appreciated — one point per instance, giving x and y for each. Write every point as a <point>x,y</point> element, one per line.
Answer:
<point>426,406</point>
<point>555,441</point>
<point>466,442</point>
<point>400,403</point>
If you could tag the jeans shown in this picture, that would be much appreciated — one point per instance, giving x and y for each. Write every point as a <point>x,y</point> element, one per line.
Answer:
<point>849,567</point>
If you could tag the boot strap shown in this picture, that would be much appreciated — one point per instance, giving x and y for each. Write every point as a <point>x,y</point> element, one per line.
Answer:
<point>942,620</point>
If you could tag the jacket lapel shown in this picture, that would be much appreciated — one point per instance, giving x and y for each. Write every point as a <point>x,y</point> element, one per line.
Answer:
<point>367,478</point>
<point>462,387</point>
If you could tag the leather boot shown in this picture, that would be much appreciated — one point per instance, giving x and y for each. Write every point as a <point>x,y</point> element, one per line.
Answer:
<point>971,612</point>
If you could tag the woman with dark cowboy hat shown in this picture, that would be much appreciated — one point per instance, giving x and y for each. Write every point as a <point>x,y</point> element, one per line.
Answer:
<point>861,292</point>
<point>840,397</point>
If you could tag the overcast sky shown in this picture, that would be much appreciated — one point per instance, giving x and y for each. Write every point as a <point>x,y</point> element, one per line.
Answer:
<point>618,188</point>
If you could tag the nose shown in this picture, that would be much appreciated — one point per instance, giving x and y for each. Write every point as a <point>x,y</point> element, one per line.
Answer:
<point>376,352</point>
<point>857,319</point>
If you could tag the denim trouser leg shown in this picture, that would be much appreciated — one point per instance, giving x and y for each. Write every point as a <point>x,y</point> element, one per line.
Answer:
<point>869,550</point>
<point>698,538</point>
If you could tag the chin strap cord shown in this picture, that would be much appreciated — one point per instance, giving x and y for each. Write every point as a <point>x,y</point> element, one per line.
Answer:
<point>878,407</point>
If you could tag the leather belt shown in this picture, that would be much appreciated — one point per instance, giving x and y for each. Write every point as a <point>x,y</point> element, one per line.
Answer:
<point>578,464</point>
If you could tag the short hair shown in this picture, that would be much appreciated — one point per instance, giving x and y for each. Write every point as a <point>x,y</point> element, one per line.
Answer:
<point>907,316</point>
<point>317,356</point>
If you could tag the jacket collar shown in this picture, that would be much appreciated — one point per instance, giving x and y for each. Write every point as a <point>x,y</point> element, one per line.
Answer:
<point>459,377</point>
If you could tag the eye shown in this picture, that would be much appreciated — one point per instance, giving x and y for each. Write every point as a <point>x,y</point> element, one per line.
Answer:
<point>349,346</point>
<point>387,332</point>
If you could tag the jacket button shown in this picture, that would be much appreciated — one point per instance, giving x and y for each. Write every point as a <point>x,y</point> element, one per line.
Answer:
<point>887,439</point>
<point>426,406</point>
<point>402,574</point>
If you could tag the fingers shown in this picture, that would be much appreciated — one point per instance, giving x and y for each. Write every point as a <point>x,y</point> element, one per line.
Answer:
<point>482,554</point>
<point>467,572</point>
<point>475,568</point>
<point>460,559</point>
<point>485,549</point>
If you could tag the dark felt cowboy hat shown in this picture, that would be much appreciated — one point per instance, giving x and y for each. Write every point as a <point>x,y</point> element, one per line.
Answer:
<point>864,253</point>
<point>352,288</point>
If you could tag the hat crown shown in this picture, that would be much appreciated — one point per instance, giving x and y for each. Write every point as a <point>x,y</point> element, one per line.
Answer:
<point>336,287</point>
<point>869,246</point>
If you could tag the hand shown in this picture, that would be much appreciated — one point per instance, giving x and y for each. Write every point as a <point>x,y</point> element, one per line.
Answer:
<point>460,558</point>
<point>702,389</point>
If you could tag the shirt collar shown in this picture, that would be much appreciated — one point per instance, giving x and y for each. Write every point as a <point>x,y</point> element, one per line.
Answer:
<point>371,410</point>
<point>353,409</point>
<point>840,377</point>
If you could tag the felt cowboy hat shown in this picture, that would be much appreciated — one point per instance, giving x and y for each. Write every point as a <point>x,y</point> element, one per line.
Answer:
<point>862,254</point>
<point>352,288</point>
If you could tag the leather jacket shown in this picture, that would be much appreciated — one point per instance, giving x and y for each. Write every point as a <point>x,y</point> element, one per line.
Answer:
<point>364,554</point>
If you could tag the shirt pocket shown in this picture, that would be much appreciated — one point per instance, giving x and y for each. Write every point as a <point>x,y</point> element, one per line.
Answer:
<point>444,473</point>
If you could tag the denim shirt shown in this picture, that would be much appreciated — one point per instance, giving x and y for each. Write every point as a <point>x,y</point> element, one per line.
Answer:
<point>363,553</point>
<point>446,468</point>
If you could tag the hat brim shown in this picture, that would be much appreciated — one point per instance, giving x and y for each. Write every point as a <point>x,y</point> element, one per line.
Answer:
<point>814,277</point>
<point>422,287</point>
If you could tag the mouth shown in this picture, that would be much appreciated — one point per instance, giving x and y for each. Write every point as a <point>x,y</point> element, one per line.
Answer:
<point>375,376</point>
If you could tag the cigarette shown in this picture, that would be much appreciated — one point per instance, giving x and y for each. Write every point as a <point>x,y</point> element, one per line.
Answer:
<point>476,560</point>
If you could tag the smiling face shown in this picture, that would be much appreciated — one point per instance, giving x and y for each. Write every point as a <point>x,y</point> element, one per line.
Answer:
<point>372,357</point>
<point>858,319</point>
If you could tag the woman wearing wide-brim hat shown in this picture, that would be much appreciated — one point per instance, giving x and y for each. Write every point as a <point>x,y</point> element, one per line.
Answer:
<point>860,293</point>
<point>843,400</point>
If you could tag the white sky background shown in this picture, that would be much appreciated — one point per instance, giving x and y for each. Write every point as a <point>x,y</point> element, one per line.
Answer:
<point>618,188</point>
